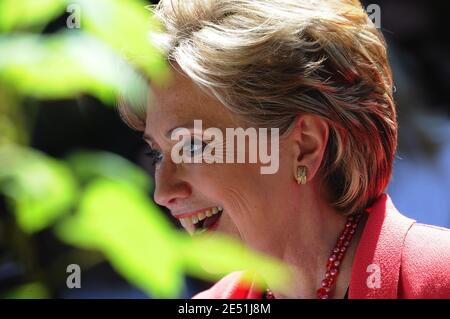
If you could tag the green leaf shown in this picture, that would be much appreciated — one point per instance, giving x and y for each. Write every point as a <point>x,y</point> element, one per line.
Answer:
<point>119,220</point>
<point>34,290</point>
<point>12,119</point>
<point>126,25</point>
<point>90,165</point>
<point>213,257</point>
<point>41,189</point>
<point>25,13</point>
<point>66,65</point>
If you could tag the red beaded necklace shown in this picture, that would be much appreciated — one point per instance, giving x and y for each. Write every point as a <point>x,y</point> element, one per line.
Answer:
<point>335,260</point>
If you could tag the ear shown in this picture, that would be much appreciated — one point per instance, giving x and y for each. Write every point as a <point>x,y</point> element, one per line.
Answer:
<point>310,138</point>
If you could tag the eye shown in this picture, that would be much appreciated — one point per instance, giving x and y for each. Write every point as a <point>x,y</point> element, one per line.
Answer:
<point>154,155</point>
<point>194,147</point>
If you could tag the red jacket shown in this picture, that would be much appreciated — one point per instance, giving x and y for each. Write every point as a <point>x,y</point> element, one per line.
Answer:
<point>395,258</point>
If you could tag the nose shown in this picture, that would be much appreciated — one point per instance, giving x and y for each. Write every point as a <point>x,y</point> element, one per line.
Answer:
<point>169,187</point>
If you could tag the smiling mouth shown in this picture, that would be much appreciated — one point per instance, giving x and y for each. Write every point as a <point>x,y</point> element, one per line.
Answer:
<point>203,221</point>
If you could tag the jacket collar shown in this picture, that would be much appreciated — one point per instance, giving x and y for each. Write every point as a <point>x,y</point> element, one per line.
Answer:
<point>376,266</point>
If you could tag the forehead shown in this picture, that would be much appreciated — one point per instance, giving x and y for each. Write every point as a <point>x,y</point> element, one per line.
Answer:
<point>181,102</point>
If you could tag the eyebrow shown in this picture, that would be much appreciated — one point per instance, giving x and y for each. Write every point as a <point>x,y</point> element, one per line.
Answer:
<point>147,137</point>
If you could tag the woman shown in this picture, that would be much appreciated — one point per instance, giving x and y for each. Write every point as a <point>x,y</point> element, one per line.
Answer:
<point>316,72</point>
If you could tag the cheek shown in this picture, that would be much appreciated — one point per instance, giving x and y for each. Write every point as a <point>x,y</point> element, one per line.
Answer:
<point>233,185</point>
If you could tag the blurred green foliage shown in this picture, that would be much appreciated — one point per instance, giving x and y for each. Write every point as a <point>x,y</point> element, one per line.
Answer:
<point>33,290</point>
<point>41,188</point>
<point>125,26</point>
<point>118,219</point>
<point>85,64</point>
<point>96,201</point>
<point>12,119</point>
<point>89,165</point>
<point>16,15</point>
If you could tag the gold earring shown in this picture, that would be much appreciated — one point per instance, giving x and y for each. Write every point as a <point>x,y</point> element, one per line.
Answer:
<point>301,175</point>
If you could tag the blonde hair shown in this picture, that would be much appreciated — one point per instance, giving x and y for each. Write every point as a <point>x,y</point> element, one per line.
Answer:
<point>271,60</point>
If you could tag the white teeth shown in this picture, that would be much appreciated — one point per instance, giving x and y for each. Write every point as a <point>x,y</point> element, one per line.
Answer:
<point>206,213</point>
<point>189,222</point>
<point>201,216</point>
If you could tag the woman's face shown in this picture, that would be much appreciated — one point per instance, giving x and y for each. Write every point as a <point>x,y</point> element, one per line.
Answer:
<point>251,202</point>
